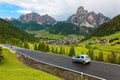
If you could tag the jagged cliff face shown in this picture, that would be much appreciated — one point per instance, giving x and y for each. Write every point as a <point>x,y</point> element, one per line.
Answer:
<point>30,17</point>
<point>33,21</point>
<point>45,19</point>
<point>89,19</point>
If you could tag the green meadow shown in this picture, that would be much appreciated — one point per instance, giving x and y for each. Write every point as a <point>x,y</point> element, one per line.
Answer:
<point>83,47</point>
<point>12,69</point>
<point>44,34</point>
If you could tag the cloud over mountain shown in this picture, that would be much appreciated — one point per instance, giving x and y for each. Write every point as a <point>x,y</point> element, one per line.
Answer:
<point>61,9</point>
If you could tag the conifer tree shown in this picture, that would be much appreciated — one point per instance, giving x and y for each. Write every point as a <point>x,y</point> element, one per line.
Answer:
<point>109,58</point>
<point>52,50</point>
<point>72,51</point>
<point>43,47</point>
<point>47,48</point>
<point>62,50</point>
<point>100,57</point>
<point>118,60</point>
<point>26,45</point>
<point>56,50</point>
<point>114,57</point>
<point>91,53</point>
<point>39,46</point>
<point>35,47</point>
<point>1,56</point>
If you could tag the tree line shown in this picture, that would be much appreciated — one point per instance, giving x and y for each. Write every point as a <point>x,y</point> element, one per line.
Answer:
<point>110,57</point>
<point>42,46</point>
<point>1,56</point>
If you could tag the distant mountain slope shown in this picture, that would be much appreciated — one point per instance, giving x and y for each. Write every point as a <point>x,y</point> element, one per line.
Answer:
<point>28,25</point>
<point>108,27</point>
<point>89,19</point>
<point>66,28</point>
<point>11,34</point>
<point>33,21</point>
<point>44,19</point>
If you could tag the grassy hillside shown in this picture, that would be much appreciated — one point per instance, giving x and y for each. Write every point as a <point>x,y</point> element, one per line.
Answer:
<point>11,34</point>
<point>44,34</point>
<point>28,26</point>
<point>108,27</point>
<point>112,36</point>
<point>65,28</point>
<point>12,69</point>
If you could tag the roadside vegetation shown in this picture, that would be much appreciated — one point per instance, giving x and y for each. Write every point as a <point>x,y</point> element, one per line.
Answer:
<point>44,34</point>
<point>98,48</point>
<point>1,55</point>
<point>95,53</point>
<point>12,69</point>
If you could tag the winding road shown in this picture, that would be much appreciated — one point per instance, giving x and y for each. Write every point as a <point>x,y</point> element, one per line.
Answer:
<point>100,70</point>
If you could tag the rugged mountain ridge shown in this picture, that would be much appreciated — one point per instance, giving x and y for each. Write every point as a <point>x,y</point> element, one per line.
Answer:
<point>32,21</point>
<point>108,28</point>
<point>44,19</point>
<point>89,19</point>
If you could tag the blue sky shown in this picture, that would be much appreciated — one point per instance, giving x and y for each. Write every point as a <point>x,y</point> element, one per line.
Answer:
<point>8,10</point>
<point>59,9</point>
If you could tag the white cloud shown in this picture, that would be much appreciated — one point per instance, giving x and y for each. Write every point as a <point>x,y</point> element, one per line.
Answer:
<point>24,11</point>
<point>61,9</point>
<point>56,8</point>
<point>109,8</point>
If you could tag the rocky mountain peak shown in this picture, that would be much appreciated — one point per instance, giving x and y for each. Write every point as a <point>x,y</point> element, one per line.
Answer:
<point>30,17</point>
<point>89,19</point>
<point>48,19</point>
<point>9,19</point>
<point>35,17</point>
<point>100,14</point>
<point>81,10</point>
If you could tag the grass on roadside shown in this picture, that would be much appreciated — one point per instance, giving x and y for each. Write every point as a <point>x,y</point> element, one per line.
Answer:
<point>12,69</point>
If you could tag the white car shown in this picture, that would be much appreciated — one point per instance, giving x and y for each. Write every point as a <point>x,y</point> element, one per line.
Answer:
<point>82,58</point>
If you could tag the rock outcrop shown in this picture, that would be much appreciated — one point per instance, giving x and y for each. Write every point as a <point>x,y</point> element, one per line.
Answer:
<point>88,19</point>
<point>44,19</point>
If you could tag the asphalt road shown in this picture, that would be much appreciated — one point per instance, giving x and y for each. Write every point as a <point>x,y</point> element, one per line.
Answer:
<point>99,69</point>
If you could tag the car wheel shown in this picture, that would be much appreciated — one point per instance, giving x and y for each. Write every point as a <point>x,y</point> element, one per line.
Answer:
<point>73,60</point>
<point>84,62</point>
<point>88,62</point>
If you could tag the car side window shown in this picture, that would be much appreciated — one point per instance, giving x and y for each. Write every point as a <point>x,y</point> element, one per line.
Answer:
<point>78,57</point>
<point>82,56</point>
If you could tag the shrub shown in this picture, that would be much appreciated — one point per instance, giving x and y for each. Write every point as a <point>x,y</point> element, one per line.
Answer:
<point>1,56</point>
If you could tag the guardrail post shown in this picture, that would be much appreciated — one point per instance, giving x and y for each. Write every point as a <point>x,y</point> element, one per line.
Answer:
<point>81,74</point>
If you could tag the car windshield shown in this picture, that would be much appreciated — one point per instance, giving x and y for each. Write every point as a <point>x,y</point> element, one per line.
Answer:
<point>78,57</point>
<point>82,56</point>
